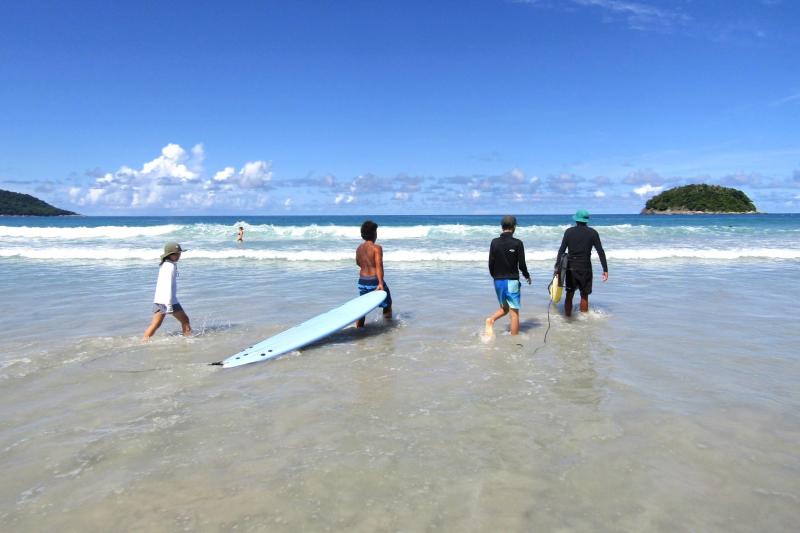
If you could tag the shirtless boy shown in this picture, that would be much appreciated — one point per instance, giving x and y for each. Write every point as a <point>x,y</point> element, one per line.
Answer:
<point>369,258</point>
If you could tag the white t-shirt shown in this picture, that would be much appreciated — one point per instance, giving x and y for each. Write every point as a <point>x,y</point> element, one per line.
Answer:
<point>167,284</point>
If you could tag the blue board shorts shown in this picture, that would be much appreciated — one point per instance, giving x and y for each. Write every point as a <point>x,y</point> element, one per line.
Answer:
<point>507,292</point>
<point>161,308</point>
<point>369,284</point>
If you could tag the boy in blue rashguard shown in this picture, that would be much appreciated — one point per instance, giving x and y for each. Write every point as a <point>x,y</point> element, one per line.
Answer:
<point>506,260</point>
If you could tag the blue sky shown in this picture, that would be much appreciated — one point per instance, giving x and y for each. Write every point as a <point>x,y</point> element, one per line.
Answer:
<point>536,106</point>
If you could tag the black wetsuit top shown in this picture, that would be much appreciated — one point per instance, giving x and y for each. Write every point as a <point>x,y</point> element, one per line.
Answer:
<point>507,258</point>
<point>580,239</point>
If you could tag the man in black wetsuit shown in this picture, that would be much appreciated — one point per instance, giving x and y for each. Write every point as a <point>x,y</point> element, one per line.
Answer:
<point>506,260</point>
<point>579,240</point>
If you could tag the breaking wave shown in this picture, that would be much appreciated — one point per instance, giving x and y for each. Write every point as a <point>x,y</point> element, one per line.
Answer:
<point>394,255</point>
<point>222,232</point>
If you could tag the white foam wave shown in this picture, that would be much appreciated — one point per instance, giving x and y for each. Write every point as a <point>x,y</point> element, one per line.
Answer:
<point>395,255</point>
<point>314,231</point>
<point>210,232</point>
<point>707,253</point>
<point>83,232</point>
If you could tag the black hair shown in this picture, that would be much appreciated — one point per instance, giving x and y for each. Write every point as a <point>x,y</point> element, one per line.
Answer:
<point>369,230</point>
<point>509,222</point>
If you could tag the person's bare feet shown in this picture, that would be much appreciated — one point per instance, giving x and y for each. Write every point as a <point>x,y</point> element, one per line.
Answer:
<point>488,331</point>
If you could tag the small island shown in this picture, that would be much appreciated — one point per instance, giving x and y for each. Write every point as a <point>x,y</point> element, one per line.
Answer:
<point>700,199</point>
<point>18,204</point>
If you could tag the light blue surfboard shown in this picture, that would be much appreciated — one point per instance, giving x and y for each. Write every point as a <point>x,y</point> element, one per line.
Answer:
<point>307,332</point>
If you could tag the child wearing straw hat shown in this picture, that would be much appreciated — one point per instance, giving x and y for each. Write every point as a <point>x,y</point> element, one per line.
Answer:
<point>165,301</point>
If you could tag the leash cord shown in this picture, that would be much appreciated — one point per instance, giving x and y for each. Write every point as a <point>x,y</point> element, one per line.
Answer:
<point>549,303</point>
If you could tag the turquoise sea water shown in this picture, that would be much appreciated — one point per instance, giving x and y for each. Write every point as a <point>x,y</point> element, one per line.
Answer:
<point>671,405</point>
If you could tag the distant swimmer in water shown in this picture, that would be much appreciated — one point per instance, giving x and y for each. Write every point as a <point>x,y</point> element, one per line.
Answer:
<point>577,244</point>
<point>240,235</point>
<point>506,260</point>
<point>165,301</point>
<point>369,258</point>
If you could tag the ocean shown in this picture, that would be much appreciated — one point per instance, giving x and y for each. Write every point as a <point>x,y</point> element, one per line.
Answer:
<point>673,404</point>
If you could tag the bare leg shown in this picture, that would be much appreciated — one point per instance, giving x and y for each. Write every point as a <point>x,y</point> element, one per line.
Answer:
<point>584,303</point>
<point>568,303</point>
<point>387,313</point>
<point>489,330</point>
<point>360,322</point>
<point>183,318</point>
<point>515,321</point>
<point>158,318</point>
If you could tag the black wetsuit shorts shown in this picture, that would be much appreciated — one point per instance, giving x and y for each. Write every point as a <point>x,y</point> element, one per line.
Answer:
<point>579,278</point>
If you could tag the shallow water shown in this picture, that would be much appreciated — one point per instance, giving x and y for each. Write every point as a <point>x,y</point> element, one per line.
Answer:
<point>672,405</point>
<point>658,410</point>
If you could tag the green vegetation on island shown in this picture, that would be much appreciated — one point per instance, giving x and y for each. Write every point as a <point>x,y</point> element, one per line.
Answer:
<point>14,203</point>
<point>698,199</point>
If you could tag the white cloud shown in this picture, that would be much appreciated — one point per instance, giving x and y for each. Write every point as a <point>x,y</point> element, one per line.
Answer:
<point>599,194</point>
<point>174,180</point>
<point>402,196</point>
<point>198,157</point>
<point>225,174</point>
<point>255,174</point>
<point>344,198</point>
<point>647,189</point>
<point>288,202</point>
<point>94,195</point>
<point>641,177</point>
<point>564,183</point>
<point>170,164</point>
<point>475,194</point>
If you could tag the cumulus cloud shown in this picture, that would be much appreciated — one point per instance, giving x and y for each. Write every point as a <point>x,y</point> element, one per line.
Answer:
<point>564,183</point>
<point>172,164</point>
<point>647,189</point>
<point>173,179</point>
<point>640,177</point>
<point>344,198</point>
<point>511,186</point>
<point>225,174</point>
<point>253,175</point>
<point>744,179</point>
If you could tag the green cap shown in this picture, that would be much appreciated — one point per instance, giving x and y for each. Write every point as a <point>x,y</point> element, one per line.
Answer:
<point>171,248</point>
<point>582,215</point>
